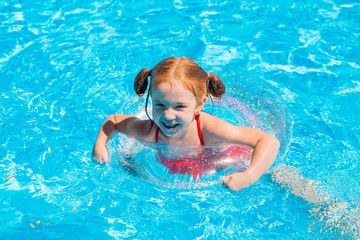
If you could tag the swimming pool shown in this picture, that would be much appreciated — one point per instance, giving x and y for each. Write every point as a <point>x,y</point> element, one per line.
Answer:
<point>66,65</point>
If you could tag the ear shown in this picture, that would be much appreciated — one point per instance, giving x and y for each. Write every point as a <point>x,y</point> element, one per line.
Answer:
<point>201,104</point>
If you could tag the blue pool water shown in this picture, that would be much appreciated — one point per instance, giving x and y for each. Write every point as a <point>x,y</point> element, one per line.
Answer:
<point>66,65</point>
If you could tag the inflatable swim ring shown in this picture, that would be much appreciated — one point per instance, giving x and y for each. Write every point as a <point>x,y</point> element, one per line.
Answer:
<point>184,167</point>
<point>206,161</point>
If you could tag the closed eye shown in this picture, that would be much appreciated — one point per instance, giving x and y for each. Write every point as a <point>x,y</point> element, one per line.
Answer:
<point>181,106</point>
<point>159,105</point>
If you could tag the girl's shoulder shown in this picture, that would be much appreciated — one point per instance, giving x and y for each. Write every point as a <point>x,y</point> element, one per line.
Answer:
<point>134,126</point>
<point>146,130</point>
<point>143,129</point>
<point>213,128</point>
<point>211,123</point>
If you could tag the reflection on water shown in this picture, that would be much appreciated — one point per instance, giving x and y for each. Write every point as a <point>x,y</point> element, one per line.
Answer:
<point>90,51</point>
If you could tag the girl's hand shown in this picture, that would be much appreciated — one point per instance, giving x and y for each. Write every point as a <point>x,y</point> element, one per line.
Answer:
<point>238,181</point>
<point>117,122</point>
<point>101,160</point>
<point>101,155</point>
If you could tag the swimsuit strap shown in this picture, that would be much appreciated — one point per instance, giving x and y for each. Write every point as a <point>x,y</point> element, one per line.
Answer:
<point>197,119</point>
<point>157,135</point>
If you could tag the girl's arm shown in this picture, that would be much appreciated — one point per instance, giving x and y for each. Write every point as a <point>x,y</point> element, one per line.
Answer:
<point>265,146</point>
<point>113,123</point>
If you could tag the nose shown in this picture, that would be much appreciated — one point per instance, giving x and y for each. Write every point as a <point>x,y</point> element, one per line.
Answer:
<point>169,114</point>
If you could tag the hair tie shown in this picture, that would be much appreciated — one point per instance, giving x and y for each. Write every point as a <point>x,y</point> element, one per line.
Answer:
<point>150,72</point>
<point>208,75</point>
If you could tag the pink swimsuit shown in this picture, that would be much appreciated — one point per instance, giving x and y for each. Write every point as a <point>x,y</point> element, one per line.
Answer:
<point>205,161</point>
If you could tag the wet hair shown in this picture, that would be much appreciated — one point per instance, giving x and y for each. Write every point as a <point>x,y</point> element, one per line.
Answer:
<point>183,71</point>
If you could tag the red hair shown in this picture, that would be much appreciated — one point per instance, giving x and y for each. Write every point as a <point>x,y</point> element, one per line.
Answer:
<point>183,71</point>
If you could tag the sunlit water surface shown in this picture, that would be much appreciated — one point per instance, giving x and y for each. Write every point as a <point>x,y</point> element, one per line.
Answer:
<point>66,65</point>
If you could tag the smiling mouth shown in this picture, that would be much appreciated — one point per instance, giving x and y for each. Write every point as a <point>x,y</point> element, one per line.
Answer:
<point>169,126</point>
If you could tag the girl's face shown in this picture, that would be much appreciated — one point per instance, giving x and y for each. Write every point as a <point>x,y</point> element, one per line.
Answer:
<point>174,109</point>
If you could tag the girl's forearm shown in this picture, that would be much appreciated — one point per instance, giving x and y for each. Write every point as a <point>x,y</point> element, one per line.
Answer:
<point>107,129</point>
<point>264,155</point>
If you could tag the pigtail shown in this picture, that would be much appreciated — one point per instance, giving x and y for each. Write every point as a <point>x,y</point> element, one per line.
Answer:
<point>140,86</point>
<point>214,85</point>
<point>141,81</point>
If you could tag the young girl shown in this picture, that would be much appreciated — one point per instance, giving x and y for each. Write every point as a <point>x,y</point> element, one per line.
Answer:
<point>179,88</point>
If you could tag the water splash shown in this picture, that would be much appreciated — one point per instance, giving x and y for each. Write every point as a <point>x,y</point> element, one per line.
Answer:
<point>329,215</point>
